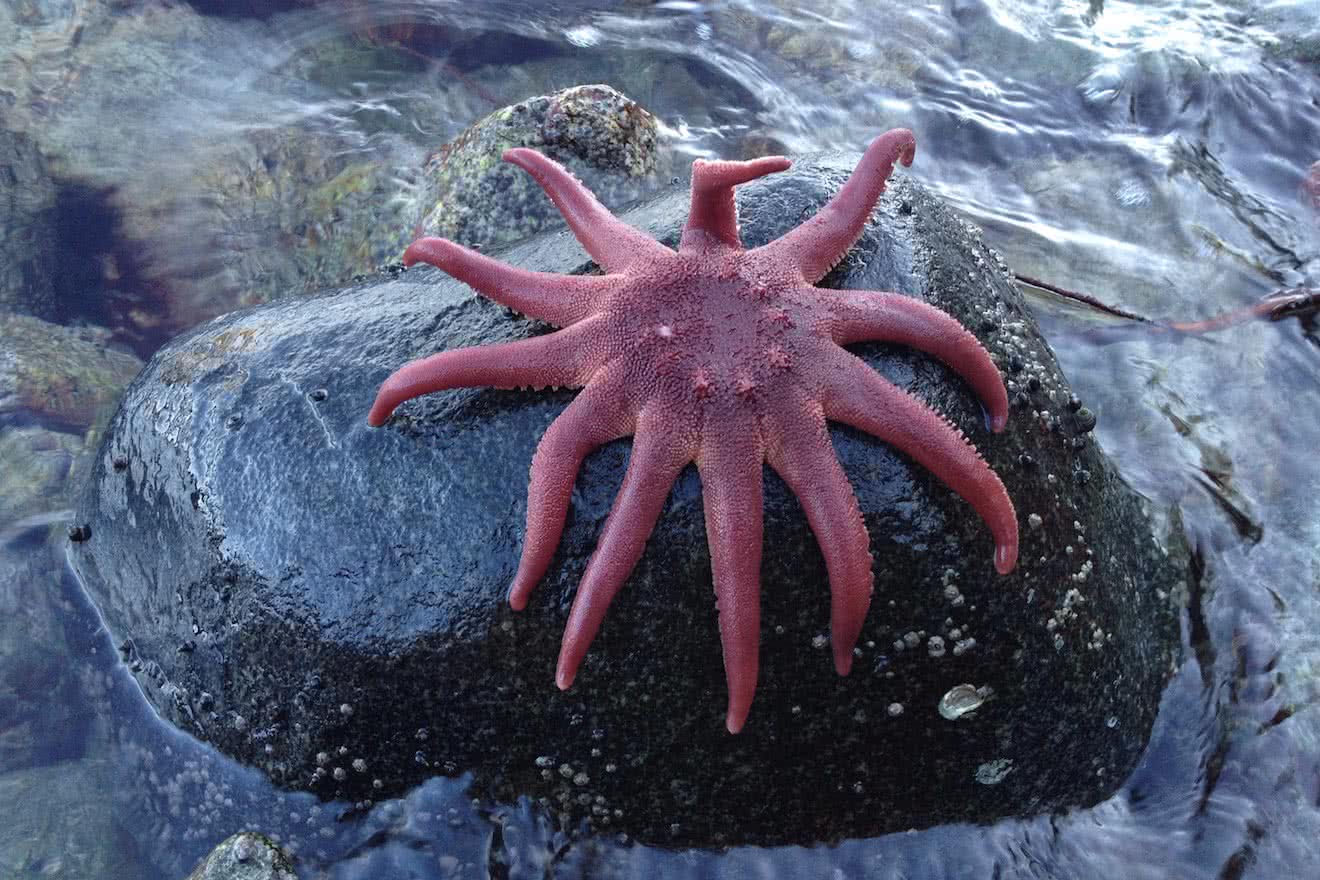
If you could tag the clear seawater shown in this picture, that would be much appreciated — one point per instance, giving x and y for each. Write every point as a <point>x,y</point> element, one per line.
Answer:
<point>1150,154</point>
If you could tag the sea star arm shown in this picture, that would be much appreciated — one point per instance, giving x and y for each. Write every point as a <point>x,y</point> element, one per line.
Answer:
<point>714,213</point>
<point>873,316</point>
<point>613,244</point>
<point>711,329</point>
<point>654,465</point>
<point>803,456</point>
<point>565,357</point>
<point>599,414</point>
<point>731,490</point>
<point>814,248</point>
<point>857,395</point>
<point>546,296</point>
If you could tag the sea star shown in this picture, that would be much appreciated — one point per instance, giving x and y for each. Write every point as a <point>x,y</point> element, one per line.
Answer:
<point>726,357</point>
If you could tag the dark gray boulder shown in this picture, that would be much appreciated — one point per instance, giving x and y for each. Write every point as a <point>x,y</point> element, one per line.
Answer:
<point>325,601</point>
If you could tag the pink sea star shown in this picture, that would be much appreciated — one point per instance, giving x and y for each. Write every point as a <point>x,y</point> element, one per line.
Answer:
<point>725,357</point>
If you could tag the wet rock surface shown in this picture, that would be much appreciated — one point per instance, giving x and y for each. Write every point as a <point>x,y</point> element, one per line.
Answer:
<point>325,601</point>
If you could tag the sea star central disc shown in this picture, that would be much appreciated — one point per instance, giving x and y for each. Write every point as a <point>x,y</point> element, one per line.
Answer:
<point>726,357</point>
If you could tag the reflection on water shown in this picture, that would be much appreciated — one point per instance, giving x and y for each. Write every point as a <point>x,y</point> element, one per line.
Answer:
<point>1147,153</point>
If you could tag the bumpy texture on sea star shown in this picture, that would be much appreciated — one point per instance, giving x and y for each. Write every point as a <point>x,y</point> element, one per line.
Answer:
<point>725,357</point>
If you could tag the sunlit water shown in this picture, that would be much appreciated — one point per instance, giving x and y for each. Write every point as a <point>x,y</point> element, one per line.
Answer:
<point>1148,154</point>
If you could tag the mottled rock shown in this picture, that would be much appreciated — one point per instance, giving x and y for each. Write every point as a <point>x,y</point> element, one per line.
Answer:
<point>294,211</point>
<point>34,478</point>
<point>37,38</point>
<point>326,601</point>
<point>602,136</point>
<point>59,377</point>
<point>245,856</point>
<point>58,387</point>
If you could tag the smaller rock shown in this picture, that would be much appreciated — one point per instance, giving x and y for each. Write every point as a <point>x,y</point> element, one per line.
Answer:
<point>59,377</point>
<point>602,136</point>
<point>245,856</point>
<point>34,480</point>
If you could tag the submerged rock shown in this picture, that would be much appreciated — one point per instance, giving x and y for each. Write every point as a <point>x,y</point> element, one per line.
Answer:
<point>28,251</point>
<point>245,856</point>
<point>326,601</point>
<point>292,201</point>
<point>34,480</point>
<point>63,820</point>
<point>63,378</point>
<point>58,389</point>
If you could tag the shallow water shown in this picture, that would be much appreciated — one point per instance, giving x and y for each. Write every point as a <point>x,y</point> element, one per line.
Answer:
<point>1148,154</point>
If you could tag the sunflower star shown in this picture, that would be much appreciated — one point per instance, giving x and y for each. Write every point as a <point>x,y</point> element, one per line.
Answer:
<point>723,357</point>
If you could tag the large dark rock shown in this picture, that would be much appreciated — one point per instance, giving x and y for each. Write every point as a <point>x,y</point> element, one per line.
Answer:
<point>325,600</point>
